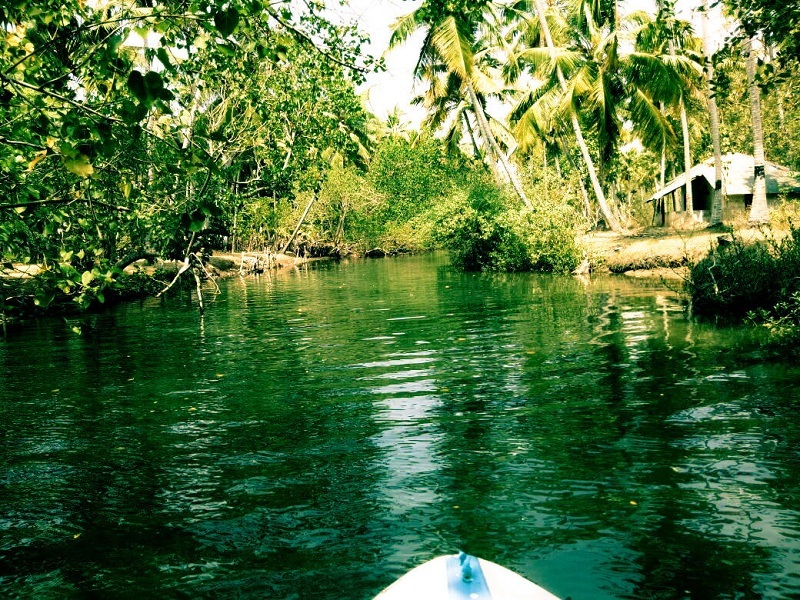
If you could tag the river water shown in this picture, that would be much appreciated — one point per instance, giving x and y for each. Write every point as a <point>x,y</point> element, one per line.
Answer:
<point>320,432</point>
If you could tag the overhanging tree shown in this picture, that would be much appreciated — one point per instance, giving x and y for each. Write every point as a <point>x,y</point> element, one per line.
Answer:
<point>451,34</point>
<point>108,145</point>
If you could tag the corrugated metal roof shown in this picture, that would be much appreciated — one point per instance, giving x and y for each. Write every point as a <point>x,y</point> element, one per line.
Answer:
<point>737,177</point>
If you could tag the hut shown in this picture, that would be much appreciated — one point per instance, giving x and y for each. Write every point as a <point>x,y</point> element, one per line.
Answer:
<point>737,189</point>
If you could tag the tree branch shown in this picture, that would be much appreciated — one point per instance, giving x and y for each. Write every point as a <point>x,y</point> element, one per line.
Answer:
<point>62,201</point>
<point>304,37</point>
<point>64,99</point>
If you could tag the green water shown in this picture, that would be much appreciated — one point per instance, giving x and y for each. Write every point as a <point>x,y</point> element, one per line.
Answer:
<point>320,432</point>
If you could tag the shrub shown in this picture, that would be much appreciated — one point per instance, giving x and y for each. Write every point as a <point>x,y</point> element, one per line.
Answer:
<point>483,233</point>
<point>782,322</point>
<point>760,281</point>
<point>740,278</point>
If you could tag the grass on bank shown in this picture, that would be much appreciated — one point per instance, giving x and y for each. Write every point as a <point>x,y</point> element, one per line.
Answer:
<point>758,281</point>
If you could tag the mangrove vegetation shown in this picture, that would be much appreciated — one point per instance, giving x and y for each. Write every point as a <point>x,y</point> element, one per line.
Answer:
<point>161,130</point>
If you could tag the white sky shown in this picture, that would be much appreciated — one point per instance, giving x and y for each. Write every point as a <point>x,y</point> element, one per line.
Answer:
<point>394,87</point>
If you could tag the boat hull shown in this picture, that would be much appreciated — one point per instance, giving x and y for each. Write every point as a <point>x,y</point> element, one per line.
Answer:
<point>463,577</point>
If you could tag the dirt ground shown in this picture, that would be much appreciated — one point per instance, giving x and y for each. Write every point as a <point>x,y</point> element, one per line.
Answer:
<point>656,251</point>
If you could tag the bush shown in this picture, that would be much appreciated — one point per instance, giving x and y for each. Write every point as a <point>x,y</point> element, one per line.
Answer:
<point>759,281</point>
<point>783,321</point>
<point>483,233</point>
<point>738,278</point>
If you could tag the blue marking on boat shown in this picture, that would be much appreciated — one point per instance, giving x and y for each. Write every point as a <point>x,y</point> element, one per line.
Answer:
<point>465,579</point>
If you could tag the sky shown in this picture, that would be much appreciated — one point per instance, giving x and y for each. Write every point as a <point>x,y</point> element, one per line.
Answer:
<point>395,87</point>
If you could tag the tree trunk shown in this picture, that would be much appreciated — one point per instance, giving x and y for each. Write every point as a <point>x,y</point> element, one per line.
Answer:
<point>611,220</point>
<point>475,148</point>
<point>663,154</point>
<point>759,210</point>
<point>483,125</point>
<point>300,222</point>
<point>713,118</point>
<point>687,161</point>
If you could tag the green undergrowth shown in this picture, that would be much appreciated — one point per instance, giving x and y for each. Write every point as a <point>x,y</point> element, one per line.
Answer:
<point>484,229</point>
<point>758,282</point>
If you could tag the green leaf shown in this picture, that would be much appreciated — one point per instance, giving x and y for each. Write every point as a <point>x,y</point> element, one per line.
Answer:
<point>153,84</point>
<point>196,225</point>
<point>226,21</point>
<point>147,88</point>
<point>43,297</point>
<point>163,58</point>
<point>226,50</point>
<point>114,42</point>
<point>79,165</point>
<point>137,86</point>
<point>87,278</point>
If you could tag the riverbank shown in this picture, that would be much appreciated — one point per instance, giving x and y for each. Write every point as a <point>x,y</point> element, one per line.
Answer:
<point>658,251</point>
<point>652,252</point>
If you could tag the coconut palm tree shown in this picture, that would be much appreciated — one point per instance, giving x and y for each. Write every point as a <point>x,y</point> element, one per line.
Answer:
<point>589,81</point>
<point>451,112</point>
<point>535,110</point>
<point>759,209</point>
<point>672,42</point>
<point>450,39</point>
<point>713,119</point>
<point>448,110</point>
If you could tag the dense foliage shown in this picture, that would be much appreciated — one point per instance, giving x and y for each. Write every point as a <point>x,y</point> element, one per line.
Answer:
<point>388,207</point>
<point>777,20</point>
<point>129,130</point>
<point>757,279</point>
<point>166,129</point>
<point>482,232</point>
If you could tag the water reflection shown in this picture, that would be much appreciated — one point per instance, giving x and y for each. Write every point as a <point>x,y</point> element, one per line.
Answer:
<point>320,432</point>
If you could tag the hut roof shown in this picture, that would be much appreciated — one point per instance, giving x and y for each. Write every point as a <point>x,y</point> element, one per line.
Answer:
<point>737,177</point>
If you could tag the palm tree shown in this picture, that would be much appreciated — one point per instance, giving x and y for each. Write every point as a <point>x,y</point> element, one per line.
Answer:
<point>447,109</point>
<point>592,82</point>
<point>672,42</point>
<point>713,118</point>
<point>534,112</point>
<point>759,209</point>
<point>451,40</point>
<point>450,112</point>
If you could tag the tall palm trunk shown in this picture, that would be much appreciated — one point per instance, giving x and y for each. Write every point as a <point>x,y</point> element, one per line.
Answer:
<point>687,160</point>
<point>713,118</point>
<point>608,214</point>
<point>759,210</point>
<point>663,154</point>
<point>486,132</point>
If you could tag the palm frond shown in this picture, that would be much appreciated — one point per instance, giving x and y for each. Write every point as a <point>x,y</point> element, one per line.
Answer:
<point>404,27</point>
<point>650,124</point>
<point>484,84</point>
<point>543,116</point>
<point>454,47</point>
<point>543,61</point>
